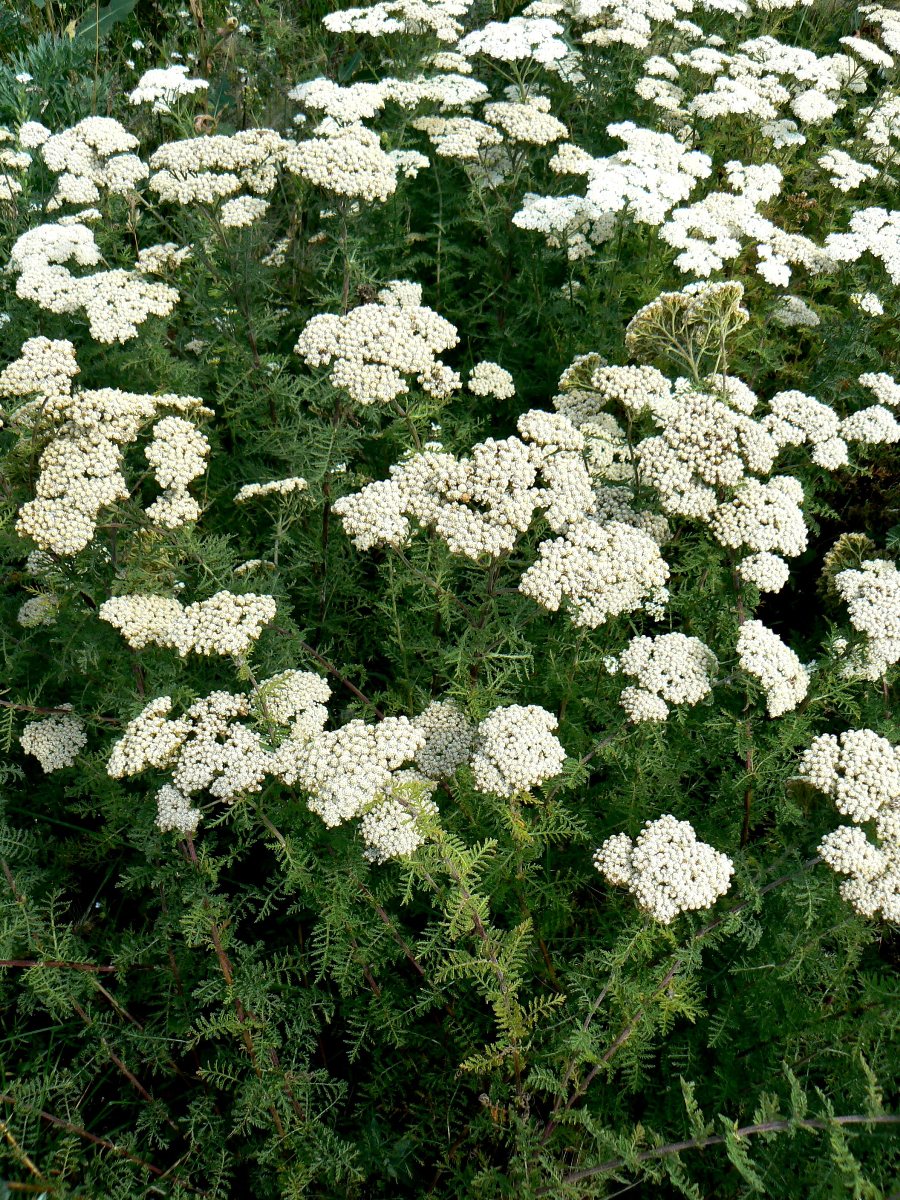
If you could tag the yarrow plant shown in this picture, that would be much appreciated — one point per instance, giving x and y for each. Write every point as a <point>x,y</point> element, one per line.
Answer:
<point>448,519</point>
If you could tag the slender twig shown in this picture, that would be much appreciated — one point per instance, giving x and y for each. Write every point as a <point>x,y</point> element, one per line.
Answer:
<point>718,1139</point>
<point>351,687</point>
<point>59,1123</point>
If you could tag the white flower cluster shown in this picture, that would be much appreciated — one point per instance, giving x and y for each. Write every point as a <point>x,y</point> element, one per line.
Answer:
<point>458,137</point>
<point>96,154</point>
<point>860,771</point>
<point>295,698</point>
<point>274,487</point>
<point>38,610</point>
<point>645,180</point>
<point>874,869</point>
<point>844,172</point>
<point>489,379</point>
<point>174,811</point>
<point>767,572</point>
<point>669,669</point>
<point>535,39</point>
<point>515,749</point>
<point>346,770</point>
<point>763,516</point>
<point>873,426</point>
<point>704,446</point>
<point>530,122</point>
<point>793,312</point>
<point>80,467</point>
<point>55,742</point>
<point>161,87</point>
<point>224,624</point>
<point>763,654</point>
<point>795,419</point>
<point>242,211</point>
<point>666,868</point>
<point>601,570</point>
<point>347,160</point>
<point>438,17</point>
<point>177,454</point>
<point>872,595</point>
<point>884,387</point>
<point>448,735</point>
<point>376,345</point>
<point>391,828</point>
<point>115,302</point>
<point>206,170</point>
<point>874,231</point>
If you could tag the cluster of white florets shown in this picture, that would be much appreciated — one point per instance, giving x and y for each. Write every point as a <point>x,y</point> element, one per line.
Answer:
<point>481,504</point>
<point>174,811</point>
<point>346,160</point>
<point>796,419</point>
<point>704,446</point>
<point>873,426</point>
<point>161,87</point>
<point>274,487</point>
<point>530,121</point>
<point>55,741</point>
<point>295,698</point>
<point>535,39</point>
<point>458,137</point>
<point>666,868</point>
<point>115,302</point>
<point>872,594</point>
<point>224,624</point>
<point>600,570</point>
<point>80,467</point>
<point>792,312</point>
<point>763,516</point>
<point>242,211</point>
<point>515,749</point>
<point>162,258</point>
<point>489,379</point>
<point>669,669</point>
<point>874,231</point>
<point>884,387</point>
<point>783,678</point>
<point>873,886</point>
<point>860,771</point>
<point>448,735</point>
<point>645,180</point>
<point>207,170</point>
<point>38,610</point>
<point>393,826</point>
<point>375,346</point>
<point>95,155</point>
<point>437,17</point>
<point>767,572</point>
<point>177,454</point>
<point>346,770</point>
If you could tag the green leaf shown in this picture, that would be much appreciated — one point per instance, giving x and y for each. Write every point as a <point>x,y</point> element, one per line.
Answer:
<point>104,18</point>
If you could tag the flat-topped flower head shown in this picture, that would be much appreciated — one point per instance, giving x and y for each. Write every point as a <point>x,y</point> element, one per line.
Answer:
<point>666,868</point>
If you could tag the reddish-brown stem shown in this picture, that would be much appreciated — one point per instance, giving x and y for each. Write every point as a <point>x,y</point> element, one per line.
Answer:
<point>99,1141</point>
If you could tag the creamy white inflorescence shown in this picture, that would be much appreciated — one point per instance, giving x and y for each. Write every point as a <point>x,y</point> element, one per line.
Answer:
<point>55,741</point>
<point>670,669</point>
<point>666,868</point>
<point>515,749</point>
